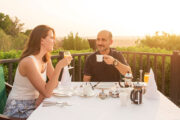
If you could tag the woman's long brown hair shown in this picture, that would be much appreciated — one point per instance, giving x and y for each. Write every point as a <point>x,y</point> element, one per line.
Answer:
<point>33,45</point>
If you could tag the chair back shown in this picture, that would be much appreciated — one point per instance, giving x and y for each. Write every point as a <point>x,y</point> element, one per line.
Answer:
<point>3,94</point>
<point>92,43</point>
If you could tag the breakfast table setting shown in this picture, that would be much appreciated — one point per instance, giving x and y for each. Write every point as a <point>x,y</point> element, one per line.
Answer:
<point>125,100</point>
<point>106,101</point>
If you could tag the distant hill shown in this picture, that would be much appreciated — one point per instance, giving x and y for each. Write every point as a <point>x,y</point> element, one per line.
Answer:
<point>122,41</point>
<point>119,41</point>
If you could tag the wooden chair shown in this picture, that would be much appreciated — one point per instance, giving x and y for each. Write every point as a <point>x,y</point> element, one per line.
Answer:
<point>92,43</point>
<point>4,89</point>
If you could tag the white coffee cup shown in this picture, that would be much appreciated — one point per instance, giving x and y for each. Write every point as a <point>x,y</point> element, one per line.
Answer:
<point>124,98</point>
<point>99,58</point>
<point>87,90</point>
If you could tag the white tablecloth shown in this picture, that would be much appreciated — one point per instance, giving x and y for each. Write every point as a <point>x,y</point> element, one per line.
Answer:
<point>93,108</point>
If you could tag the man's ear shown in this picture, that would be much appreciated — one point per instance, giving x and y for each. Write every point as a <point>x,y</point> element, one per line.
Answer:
<point>111,42</point>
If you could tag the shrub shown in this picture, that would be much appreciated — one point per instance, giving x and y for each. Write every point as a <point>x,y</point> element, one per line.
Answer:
<point>163,41</point>
<point>72,42</point>
<point>5,41</point>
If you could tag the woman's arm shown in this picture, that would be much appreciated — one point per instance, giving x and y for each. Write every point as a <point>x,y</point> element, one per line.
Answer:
<point>50,69</point>
<point>49,72</point>
<point>39,100</point>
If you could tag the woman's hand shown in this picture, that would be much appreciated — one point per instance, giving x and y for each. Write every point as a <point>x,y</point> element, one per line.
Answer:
<point>66,61</point>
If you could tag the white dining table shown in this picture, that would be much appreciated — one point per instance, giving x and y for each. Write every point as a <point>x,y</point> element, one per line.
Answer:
<point>94,108</point>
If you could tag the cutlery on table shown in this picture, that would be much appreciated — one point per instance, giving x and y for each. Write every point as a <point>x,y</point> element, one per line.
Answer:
<point>48,103</point>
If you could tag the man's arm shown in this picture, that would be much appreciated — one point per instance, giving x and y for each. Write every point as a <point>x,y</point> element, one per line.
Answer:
<point>86,78</point>
<point>122,68</point>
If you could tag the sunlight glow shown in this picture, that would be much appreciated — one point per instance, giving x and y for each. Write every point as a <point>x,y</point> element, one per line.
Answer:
<point>87,17</point>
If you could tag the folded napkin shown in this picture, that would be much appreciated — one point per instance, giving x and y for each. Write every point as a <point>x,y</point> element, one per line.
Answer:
<point>151,90</point>
<point>66,78</point>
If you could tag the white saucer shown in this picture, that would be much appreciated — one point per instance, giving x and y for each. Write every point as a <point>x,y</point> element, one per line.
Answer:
<point>105,85</point>
<point>90,95</point>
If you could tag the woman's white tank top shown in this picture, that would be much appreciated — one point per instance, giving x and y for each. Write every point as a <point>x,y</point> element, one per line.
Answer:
<point>22,87</point>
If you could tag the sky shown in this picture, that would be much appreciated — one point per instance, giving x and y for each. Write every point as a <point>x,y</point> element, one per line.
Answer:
<point>88,17</point>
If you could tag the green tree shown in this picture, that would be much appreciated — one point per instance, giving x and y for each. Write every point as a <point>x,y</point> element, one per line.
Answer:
<point>5,41</point>
<point>28,32</point>
<point>72,42</point>
<point>19,41</point>
<point>11,36</point>
<point>10,27</point>
<point>163,41</point>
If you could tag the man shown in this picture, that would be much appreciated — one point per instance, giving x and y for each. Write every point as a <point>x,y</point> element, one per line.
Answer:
<point>113,63</point>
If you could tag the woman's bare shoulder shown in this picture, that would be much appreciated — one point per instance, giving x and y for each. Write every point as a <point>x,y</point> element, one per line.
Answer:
<point>25,64</point>
<point>26,61</point>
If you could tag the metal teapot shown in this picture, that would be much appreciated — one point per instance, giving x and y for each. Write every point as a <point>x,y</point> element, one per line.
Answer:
<point>127,80</point>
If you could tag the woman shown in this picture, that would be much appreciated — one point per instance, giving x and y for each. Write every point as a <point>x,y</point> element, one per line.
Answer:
<point>30,87</point>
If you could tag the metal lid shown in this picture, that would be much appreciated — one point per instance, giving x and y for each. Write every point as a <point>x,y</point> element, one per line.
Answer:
<point>138,84</point>
<point>128,75</point>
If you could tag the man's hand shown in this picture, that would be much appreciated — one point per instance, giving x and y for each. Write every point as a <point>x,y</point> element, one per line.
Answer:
<point>123,69</point>
<point>108,59</point>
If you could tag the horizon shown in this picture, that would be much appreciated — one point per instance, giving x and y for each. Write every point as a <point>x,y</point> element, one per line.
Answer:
<point>88,17</point>
<point>118,41</point>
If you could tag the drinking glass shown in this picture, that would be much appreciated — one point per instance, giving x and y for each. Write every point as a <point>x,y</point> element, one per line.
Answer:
<point>66,54</point>
<point>146,77</point>
<point>124,98</point>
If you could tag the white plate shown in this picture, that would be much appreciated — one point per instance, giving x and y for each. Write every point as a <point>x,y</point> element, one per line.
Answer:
<point>62,93</point>
<point>106,85</point>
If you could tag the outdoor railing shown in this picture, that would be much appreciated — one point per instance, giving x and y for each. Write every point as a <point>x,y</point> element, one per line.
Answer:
<point>137,61</point>
<point>148,64</point>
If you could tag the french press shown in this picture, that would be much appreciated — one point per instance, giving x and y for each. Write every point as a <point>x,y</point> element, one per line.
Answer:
<point>136,93</point>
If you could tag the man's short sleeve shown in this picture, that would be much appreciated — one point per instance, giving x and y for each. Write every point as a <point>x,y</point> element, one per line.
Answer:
<point>88,67</point>
<point>121,58</point>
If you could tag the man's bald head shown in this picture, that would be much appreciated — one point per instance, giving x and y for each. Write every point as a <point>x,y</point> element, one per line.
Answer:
<point>104,40</point>
<point>108,34</point>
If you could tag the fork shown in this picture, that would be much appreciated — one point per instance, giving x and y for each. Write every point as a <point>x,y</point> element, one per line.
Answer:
<point>46,104</point>
<point>93,86</point>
